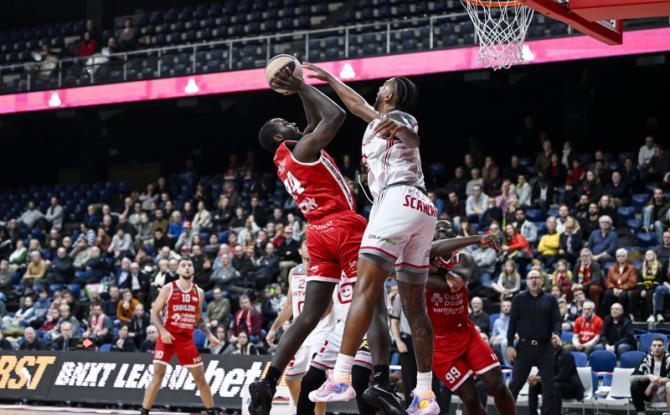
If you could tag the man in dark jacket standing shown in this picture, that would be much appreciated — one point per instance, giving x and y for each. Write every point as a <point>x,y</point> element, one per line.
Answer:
<point>617,334</point>
<point>566,381</point>
<point>650,381</point>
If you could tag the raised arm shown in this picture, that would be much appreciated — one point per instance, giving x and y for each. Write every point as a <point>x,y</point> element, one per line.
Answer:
<point>331,116</point>
<point>445,247</point>
<point>351,99</point>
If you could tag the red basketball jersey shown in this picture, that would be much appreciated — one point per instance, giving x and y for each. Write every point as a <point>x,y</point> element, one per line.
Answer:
<point>181,309</point>
<point>318,188</point>
<point>447,310</point>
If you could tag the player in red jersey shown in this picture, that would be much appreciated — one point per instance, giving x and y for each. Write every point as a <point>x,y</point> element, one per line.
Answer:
<point>334,230</point>
<point>460,353</point>
<point>175,313</point>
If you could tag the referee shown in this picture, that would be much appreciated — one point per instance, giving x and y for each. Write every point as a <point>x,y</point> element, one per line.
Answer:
<point>535,319</point>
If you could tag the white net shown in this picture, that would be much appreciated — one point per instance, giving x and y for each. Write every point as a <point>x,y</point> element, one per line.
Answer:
<point>500,27</point>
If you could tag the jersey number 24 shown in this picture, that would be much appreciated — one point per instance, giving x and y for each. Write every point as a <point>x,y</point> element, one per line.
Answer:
<point>295,188</point>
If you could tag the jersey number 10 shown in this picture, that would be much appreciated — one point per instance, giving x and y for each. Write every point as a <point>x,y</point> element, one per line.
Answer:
<point>186,298</point>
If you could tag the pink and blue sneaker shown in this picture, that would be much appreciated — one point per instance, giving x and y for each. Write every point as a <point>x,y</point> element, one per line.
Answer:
<point>423,404</point>
<point>332,391</point>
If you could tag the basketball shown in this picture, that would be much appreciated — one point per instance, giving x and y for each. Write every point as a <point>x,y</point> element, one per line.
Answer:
<point>278,63</point>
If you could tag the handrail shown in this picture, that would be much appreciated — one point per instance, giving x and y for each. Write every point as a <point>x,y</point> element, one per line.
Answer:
<point>298,33</point>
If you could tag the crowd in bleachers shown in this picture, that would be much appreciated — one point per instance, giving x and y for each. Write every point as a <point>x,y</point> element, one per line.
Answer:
<point>80,265</point>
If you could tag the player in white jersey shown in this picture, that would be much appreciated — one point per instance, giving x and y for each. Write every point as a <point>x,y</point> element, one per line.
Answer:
<point>398,236</point>
<point>327,355</point>
<point>298,365</point>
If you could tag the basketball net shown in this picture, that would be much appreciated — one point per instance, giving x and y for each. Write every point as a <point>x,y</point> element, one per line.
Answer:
<point>500,27</point>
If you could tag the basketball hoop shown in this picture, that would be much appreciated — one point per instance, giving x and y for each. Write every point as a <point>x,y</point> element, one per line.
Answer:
<point>500,27</point>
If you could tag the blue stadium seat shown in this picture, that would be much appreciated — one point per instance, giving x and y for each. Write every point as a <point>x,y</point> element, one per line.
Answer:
<point>640,200</point>
<point>107,347</point>
<point>75,289</point>
<point>602,361</point>
<point>646,239</point>
<point>634,224</point>
<point>647,338</point>
<point>580,359</point>
<point>630,360</point>
<point>534,215</point>
<point>626,212</point>
<point>492,319</point>
<point>566,336</point>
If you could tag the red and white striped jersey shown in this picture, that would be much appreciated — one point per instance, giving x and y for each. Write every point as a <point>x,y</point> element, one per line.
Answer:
<point>318,188</point>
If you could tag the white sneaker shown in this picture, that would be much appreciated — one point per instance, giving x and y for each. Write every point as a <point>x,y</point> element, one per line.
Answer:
<point>651,319</point>
<point>659,317</point>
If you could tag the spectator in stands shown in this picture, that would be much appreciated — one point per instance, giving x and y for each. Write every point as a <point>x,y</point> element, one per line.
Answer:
<point>223,214</point>
<point>99,326</point>
<point>567,384</point>
<point>588,274</point>
<point>455,208</point>
<point>54,214</point>
<point>138,282</point>
<point>618,189</point>
<point>525,227</point>
<point>543,194</point>
<point>576,173</point>
<point>244,346</point>
<point>486,259</point>
<point>656,215</point>
<point>509,281</point>
<point>137,328</point>
<point>87,46</point>
<point>94,269</point>
<point>574,309</point>
<point>80,254</point>
<point>658,165</point>
<point>507,193</point>
<point>663,250</point>
<point>225,347</point>
<point>123,342</point>
<point>6,279</point>
<point>650,381</point>
<point>620,282</point>
<point>66,341</point>
<point>30,341</point>
<point>218,310</point>
<point>31,217</point>
<point>4,343</point>
<point>549,243</point>
<point>562,278</point>
<point>646,153</point>
<point>570,241</point>
<point>41,308</point>
<point>602,242</point>
<point>122,244</point>
<point>490,215</point>
<point>176,226</point>
<point>516,246</point>
<point>586,330</point>
<point>607,207</point>
<point>149,344</point>
<point>556,172</point>
<point>288,253</point>
<point>478,316</point>
<point>126,307</point>
<point>476,180</point>
<point>630,174</point>
<point>649,278</point>
<point>185,239</point>
<point>476,204</point>
<point>617,334</point>
<point>458,183</point>
<point>268,267</point>
<point>66,316</point>
<point>514,169</point>
<point>13,324</point>
<point>127,36</point>
<point>247,320</point>
<point>61,268</point>
<point>36,270</point>
<point>524,191</point>
<point>499,332</point>
<point>242,263</point>
<point>202,219</point>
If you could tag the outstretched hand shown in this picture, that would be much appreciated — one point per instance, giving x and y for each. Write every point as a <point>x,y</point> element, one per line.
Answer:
<point>389,128</point>
<point>317,72</point>
<point>284,79</point>
<point>489,241</point>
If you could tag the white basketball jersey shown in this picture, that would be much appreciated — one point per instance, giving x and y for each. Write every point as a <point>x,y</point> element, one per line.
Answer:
<point>298,285</point>
<point>391,161</point>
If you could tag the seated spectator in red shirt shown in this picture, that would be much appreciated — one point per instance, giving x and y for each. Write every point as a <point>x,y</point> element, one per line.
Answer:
<point>87,47</point>
<point>587,329</point>
<point>247,319</point>
<point>516,245</point>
